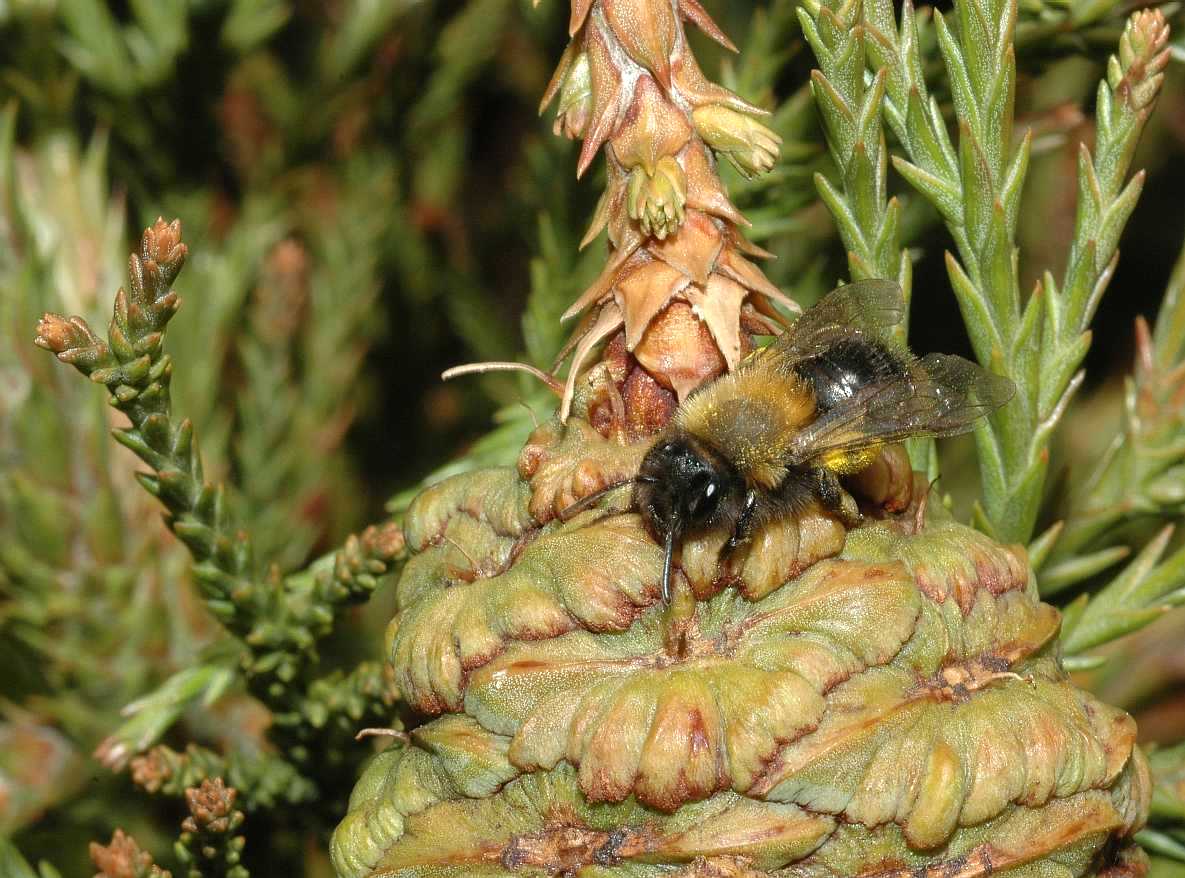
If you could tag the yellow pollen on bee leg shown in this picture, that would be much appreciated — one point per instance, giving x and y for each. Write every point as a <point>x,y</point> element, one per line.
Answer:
<point>846,462</point>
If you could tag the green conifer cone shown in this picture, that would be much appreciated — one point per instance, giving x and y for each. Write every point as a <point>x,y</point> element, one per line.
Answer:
<point>894,708</point>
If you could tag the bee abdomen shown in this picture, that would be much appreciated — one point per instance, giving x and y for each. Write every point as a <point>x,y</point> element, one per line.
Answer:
<point>847,366</point>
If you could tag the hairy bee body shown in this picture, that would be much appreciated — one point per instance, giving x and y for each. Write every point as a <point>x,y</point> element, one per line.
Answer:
<point>837,375</point>
<point>750,415</point>
<point>773,437</point>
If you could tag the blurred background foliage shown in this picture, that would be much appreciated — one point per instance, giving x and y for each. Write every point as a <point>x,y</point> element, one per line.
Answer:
<point>369,196</point>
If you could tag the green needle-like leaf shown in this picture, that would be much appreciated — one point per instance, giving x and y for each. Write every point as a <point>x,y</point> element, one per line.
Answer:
<point>151,716</point>
<point>851,111</point>
<point>1146,589</point>
<point>1141,475</point>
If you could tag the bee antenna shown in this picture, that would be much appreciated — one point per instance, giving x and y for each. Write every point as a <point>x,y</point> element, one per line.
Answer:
<point>553,384</point>
<point>585,502</point>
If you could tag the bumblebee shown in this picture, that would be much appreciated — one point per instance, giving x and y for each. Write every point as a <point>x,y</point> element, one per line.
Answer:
<point>774,436</point>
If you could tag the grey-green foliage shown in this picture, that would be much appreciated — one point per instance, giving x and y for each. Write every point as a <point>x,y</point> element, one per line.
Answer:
<point>123,58</point>
<point>308,326</point>
<point>1165,835</point>
<point>96,605</point>
<point>278,621</point>
<point>783,205</point>
<point>90,584</point>
<point>97,609</point>
<point>1146,589</point>
<point>96,600</point>
<point>1136,482</point>
<point>14,865</point>
<point>1141,473</point>
<point>249,23</point>
<point>850,107</point>
<point>77,544</point>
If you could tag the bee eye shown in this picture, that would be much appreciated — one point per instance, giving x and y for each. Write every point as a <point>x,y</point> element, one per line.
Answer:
<point>704,499</point>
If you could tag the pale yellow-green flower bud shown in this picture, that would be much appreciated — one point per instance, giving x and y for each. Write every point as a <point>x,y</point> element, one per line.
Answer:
<point>657,200</point>
<point>747,143</point>
<point>575,100</point>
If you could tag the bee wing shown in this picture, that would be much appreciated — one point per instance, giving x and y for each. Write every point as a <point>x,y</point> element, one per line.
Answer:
<point>941,395</point>
<point>872,306</point>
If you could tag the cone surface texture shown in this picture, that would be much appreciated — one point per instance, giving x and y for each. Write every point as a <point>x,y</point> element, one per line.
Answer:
<point>883,702</point>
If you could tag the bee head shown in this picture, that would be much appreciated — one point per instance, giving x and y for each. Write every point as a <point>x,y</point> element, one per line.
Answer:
<point>684,487</point>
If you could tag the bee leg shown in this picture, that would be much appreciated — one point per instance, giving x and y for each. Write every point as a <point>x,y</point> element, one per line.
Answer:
<point>743,529</point>
<point>835,499</point>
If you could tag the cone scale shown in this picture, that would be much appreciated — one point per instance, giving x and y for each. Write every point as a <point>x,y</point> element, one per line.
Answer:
<point>887,701</point>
